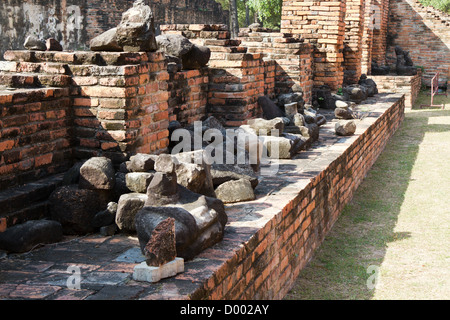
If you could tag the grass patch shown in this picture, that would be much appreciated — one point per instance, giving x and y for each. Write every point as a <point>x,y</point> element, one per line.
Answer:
<point>398,221</point>
<point>443,5</point>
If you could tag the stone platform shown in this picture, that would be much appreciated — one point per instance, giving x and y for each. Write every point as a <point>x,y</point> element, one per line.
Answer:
<point>267,241</point>
<point>408,85</point>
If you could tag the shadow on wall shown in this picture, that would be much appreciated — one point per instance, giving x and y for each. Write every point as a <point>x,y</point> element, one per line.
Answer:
<point>426,39</point>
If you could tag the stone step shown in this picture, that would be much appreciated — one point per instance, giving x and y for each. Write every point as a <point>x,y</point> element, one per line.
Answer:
<point>35,211</point>
<point>228,49</point>
<point>223,43</point>
<point>62,58</point>
<point>28,201</point>
<point>33,80</point>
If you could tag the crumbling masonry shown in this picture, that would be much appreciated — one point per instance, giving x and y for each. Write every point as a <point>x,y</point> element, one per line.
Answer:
<point>58,107</point>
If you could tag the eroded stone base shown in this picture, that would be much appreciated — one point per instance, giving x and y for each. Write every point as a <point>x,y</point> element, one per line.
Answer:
<point>143,272</point>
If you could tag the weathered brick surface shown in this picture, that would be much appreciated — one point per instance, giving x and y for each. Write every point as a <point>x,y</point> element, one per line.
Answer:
<point>188,92</point>
<point>424,32</point>
<point>410,86</point>
<point>109,104</point>
<point>35,134</point>
<point>354,28</point>
<point>292,60</point>
<point>380,11</point>
<point>367,37</point>
<point>235,78</point>
<point>234,87</point>
<point>120,108</point>
<point>75,22</point>
<point>320,23</point>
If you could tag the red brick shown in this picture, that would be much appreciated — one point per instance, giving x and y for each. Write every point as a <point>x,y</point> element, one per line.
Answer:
<point>6,145</point>
<point>3,224</point>
<point>43,160</point>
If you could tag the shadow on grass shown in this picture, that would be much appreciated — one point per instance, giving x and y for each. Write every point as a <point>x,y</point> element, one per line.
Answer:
<point>360,237</point>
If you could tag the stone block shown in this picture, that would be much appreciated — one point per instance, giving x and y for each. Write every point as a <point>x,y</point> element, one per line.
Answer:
<point>143,272</point>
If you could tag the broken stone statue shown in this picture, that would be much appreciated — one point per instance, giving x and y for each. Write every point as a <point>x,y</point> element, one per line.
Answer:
<point>161,254</point>
<point>177,46</point>
<point>135,32</point>
<point>199,220</point>
<point>404,65</point>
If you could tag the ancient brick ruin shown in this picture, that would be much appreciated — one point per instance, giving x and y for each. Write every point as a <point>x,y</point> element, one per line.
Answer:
<point>75,22</point>
<point>61,107</point>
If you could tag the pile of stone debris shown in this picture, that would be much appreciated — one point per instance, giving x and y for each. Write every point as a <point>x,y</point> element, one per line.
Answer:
<point>345,102</point>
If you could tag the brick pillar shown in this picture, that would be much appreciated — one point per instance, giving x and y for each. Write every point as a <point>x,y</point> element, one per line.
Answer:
<point>291,60</point>
<point>354,27</point>
<point>320,23</point>
<point>367,37</point>
<point>236,78</point>
<point>120,104</point>
<point>381,15</point>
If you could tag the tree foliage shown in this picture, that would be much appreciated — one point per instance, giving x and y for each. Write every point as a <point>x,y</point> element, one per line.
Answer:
<point>267,12</point>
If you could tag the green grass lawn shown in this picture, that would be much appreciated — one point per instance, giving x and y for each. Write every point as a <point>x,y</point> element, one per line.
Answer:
<point>398,222</point>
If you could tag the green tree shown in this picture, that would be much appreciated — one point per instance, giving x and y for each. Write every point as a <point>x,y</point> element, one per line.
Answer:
<point>267,12</point>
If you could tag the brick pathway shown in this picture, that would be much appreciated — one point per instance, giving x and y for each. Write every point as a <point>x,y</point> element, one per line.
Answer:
<point>106,266</point>
<point>43,273</point>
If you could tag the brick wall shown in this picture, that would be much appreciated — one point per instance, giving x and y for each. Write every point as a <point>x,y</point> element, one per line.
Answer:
<point>367,37</point>
<point>188,92</point>
<point>380,28</point>
<point>408,85</point>
<point>320,23</point>
<point>260,258</point>
<point>354,27</point>
<point>424,32</point>
<point>35,134</point>
<point>292,58</point>
<point>107,104</point>
<point>236,78</point>
<point>75,22</point>
<point>121,107</point>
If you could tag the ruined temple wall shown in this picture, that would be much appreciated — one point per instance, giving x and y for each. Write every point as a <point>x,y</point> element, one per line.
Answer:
<point>75,22</point>
<point>292,60</point>
<point>320,23</point>
<point>424,32</point>
<point>188,94</point>
<point>89,104</point>
<point>367,38</point>
<point>120,108</point>
<point>236,78</point>
<point>410,86</point>
<point>380,11</point>
<point>35,134</point>
<point>354,29</point>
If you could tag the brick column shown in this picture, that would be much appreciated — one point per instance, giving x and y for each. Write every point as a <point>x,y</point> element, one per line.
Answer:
<point>367,37</point>
<point>236,78</point>
<point>320,23</point>
<point>291,60</point>
<point>354,27</point>
<point>381,15</point>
